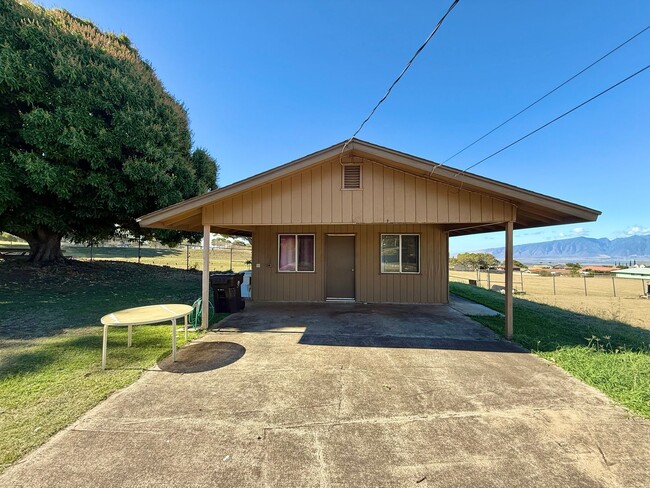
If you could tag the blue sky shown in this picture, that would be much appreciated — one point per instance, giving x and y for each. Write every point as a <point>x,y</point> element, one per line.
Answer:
<point>269,82</point>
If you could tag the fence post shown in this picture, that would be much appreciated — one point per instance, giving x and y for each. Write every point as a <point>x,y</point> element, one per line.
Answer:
<point>91,252</point>
<point>478,276</point>
<point>521,273</point>
<point>231,257</point>
<point>614,285</point>
<point>488,277</point>
<point>187,265</point>
<point>139,247</point>
<point>554,285</point>
<point>643,286</point>
<point>585,278</point>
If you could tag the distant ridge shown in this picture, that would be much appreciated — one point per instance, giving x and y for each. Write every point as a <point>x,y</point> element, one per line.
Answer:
<point>581,249</point>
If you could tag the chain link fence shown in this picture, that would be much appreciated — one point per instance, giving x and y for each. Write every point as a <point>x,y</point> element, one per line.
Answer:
<point>222,257</point>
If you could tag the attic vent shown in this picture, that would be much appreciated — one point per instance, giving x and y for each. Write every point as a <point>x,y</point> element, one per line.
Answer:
<point>351,177</point>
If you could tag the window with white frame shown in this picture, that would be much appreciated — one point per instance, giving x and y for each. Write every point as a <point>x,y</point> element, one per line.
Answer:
<point>400,253</point>
<point>296,252</point>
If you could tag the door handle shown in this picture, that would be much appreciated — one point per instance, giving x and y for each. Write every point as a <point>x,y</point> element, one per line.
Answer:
<point>352,269</point>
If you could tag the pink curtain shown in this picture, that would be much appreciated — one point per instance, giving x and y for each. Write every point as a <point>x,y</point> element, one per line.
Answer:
<point>287,253</point>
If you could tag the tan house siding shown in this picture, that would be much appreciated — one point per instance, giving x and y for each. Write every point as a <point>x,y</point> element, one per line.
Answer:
<point>429,286</point>
<point>314,196</point>
<point>400,193</point>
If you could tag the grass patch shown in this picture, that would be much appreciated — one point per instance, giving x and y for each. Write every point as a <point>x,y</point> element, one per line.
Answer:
<point>50,341</point>
<point>607,354</point>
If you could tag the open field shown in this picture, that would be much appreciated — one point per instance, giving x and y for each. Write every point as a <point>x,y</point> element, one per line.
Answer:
<point>606,353</point>
<point>50,341</point>
<point>627,307</point>
<point>181,257</point>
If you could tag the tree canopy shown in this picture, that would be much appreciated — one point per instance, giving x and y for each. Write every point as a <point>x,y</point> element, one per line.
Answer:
<point>474,260</point>
<point>89,137</point>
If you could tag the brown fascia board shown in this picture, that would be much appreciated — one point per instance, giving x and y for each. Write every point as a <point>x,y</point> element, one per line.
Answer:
<point>443,173</point>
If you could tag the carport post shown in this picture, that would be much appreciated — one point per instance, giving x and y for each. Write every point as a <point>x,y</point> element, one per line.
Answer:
<point>509,281</point>
<point>205,288</point>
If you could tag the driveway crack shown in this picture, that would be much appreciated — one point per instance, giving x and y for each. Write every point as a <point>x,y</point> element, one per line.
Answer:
<point>341,373</point>
<point>322,468</point>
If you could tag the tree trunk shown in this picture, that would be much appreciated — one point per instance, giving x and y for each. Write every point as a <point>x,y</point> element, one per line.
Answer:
<point>44,246</point>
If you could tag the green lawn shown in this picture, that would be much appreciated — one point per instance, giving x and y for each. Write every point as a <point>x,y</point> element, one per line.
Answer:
<point>607,354</point>
<point>50,341</point>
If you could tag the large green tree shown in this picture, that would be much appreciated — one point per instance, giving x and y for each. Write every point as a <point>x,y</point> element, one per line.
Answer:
<point>474,260</point>
<point>89,138</point>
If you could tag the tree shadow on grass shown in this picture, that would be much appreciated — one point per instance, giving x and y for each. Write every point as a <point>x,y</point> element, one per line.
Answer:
<point>35,358</point>
<point>40,302</point>
<point>546,328</point>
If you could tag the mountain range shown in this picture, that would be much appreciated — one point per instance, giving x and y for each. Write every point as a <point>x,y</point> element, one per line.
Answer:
<point>581,249</point>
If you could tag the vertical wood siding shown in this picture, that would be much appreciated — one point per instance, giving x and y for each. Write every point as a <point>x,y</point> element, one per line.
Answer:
<point>429,286</point>
<point>314,196</point>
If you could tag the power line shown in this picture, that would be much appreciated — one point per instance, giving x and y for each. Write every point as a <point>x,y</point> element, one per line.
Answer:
<point>547,94</point>
<point>408,65</point>
<point>554,120</point>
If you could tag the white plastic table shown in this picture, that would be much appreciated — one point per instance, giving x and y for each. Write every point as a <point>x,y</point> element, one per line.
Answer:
<point>151,314</point>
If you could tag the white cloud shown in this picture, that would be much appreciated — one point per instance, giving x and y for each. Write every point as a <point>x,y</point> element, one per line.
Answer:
<point>637,230</point>
<point>579,231</point>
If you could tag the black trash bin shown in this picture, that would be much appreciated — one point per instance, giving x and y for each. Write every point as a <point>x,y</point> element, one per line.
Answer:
<point>226,288</point>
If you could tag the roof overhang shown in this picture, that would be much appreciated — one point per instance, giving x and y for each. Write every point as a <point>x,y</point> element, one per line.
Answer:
<point>533,209</point>
<point>633,273</point>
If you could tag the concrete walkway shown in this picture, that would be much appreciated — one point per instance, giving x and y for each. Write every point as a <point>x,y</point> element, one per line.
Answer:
<point>468,307</point>
<point>347,396</point>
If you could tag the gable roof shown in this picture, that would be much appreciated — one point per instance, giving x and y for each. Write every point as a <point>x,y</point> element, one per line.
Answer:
<point>533,209</point>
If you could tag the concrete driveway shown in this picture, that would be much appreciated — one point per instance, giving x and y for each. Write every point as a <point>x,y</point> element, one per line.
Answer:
<point>348,395</point>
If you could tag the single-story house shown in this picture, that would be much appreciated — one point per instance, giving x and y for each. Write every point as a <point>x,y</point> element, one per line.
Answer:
<point>368,224</point>
<point>639,273</point>
<point>587,269</point>
<point>636,273</point>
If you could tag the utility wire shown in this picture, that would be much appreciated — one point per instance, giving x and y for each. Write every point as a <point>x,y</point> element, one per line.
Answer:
<point>554,120</point>
<point>408,65</point>
<point>546,95</point>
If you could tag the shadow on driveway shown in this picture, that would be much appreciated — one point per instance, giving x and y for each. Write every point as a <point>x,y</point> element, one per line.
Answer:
<point>370,325</point>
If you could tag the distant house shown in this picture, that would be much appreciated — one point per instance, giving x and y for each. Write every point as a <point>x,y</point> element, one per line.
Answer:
<point>515,268</point>
<point>598,269</point>
<point>539,267</point>
<point>633,273</point>
<point>547,270</point>
<point>361,222</point>
<point>637,273</point>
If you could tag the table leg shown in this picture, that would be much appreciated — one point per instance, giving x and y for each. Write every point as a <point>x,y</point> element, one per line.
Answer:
<point>174,340</point>
<point>186,328</point>
<point>129,339</point>
<point>104,344</point>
